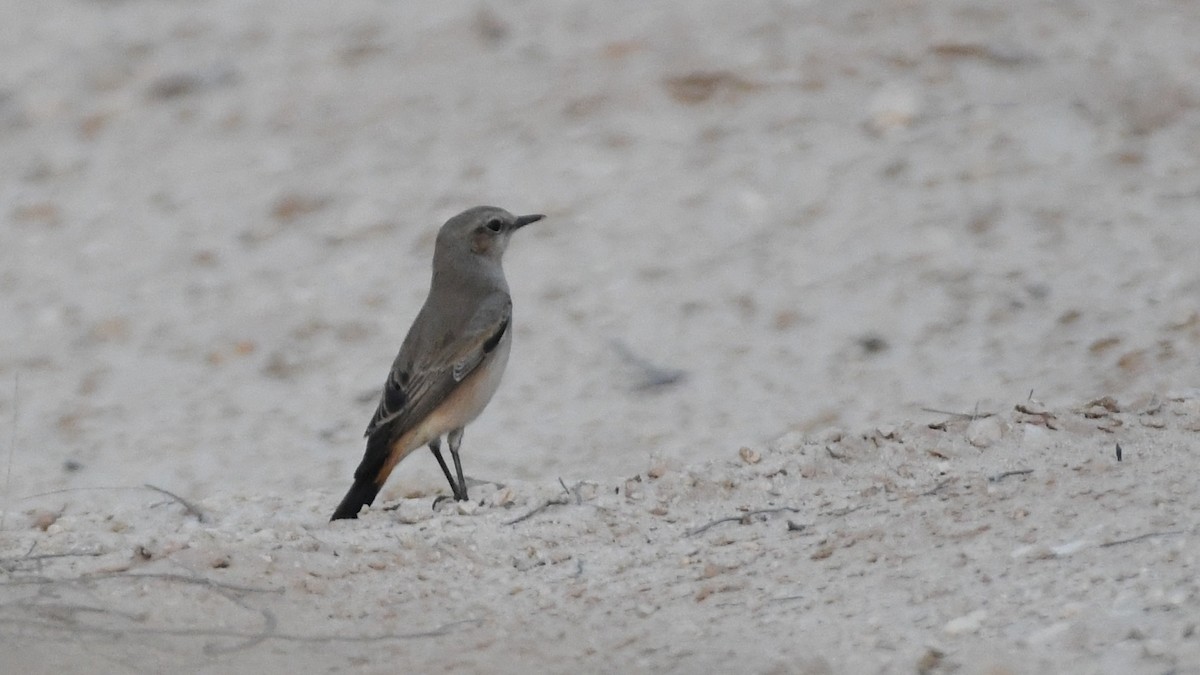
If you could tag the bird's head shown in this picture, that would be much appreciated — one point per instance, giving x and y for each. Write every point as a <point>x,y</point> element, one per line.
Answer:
<point>483,231</point>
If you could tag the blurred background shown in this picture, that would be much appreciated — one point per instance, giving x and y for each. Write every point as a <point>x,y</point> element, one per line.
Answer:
<point>217,217</point>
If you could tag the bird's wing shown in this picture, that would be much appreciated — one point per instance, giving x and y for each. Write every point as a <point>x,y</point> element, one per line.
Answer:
<point>416,386</point>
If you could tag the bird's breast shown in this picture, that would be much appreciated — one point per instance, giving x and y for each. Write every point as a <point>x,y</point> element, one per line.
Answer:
<point>467,400</point>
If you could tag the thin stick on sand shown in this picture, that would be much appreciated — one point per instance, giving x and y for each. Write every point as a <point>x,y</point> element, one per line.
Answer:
<point>188,506</point>
<point>12,449</point>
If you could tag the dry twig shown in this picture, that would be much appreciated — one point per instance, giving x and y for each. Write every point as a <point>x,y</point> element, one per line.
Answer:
<point>1140,537</point>
<point>437,631</point>
<point>1001,476</point>
<point>844,511</point>
<point>11,564</point>
<point>165,576</point>
<point>572,491</point>
<point>188,506</point>
<point>743,518</point>
<point>564,500</point>
<point>966,416</point>
<point>12,448</point>
<point>937,488</point>
<point>557,501</point>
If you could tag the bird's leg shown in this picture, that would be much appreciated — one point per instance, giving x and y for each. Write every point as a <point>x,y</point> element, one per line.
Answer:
<point>436,446</point>
<point>454,438</point>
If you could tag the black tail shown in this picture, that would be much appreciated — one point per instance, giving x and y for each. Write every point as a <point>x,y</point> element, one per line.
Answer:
<point>368,477</point>
<point>361,494</point>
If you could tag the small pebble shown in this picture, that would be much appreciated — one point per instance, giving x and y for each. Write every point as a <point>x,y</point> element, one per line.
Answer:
<point>503,497</point>
<point>893,107</point>
<point>984,432</point>
<point>970,623</point>
<point>42,520</point>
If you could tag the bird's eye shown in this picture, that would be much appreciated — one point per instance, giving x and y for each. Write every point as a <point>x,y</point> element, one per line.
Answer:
<point>494,225</point>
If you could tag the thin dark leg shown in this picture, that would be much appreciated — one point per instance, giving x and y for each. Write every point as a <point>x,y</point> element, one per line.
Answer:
<point>436,446</point>
<point>455,440</point>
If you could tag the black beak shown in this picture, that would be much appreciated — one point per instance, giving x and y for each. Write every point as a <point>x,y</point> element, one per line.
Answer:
<point>522,221</point>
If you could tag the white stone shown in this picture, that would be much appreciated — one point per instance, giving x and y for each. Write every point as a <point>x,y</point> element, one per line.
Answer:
<point>969,623</point>
<point>984,432</point>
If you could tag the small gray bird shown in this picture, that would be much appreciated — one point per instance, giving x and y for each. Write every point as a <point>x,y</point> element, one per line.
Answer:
<point>452,359</point>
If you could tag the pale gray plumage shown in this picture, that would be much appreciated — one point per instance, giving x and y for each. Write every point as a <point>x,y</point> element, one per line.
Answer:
<point>451,360</point>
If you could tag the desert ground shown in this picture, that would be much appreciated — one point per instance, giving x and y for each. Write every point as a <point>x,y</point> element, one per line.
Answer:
<point>860,336</point>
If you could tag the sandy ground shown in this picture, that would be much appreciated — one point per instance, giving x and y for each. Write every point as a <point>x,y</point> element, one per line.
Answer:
<point>823,220</point>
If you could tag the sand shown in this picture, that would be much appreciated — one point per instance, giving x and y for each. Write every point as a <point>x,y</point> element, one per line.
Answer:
<point>828,270</point>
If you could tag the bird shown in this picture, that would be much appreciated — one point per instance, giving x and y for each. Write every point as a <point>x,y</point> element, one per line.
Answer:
<point>452,359</point>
